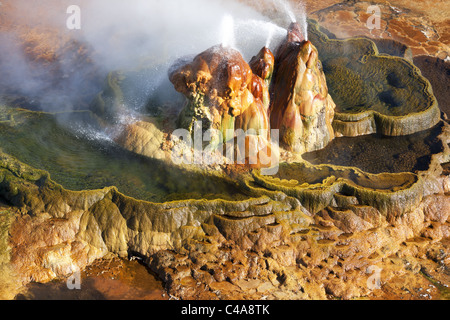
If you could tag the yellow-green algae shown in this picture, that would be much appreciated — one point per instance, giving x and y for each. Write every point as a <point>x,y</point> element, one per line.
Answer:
<point>126,223</point>
<point>6,217</point>
<point>121,223</point>
<point>121,220</point>
<point>314,186</point>
<point>274,210</point>
<point>78,163</point>
<point>375,153</point>
<point>373,92</point>
<point>110,102</point>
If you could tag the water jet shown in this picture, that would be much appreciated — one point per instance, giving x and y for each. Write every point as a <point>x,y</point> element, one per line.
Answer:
<point>227,29</point>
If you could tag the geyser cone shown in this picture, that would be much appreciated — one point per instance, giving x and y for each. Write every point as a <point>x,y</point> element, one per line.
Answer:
<point>295,33</point>
<point>262,65</point>
<point>300,106</point>
<point>219,71</point>
<point>220,87</point>
<point>294,38</point>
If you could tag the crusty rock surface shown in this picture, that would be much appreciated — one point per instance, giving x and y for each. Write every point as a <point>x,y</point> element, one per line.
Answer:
<point>222,92</point>
<point>301,107</point>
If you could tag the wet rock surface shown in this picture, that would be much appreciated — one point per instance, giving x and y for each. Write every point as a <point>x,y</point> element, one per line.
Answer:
<point>266,248</point>
<point>423,28</point>
<point>390,95</point>
<point>223,92</point>
<point>437,71</point>
<point>301,107</point>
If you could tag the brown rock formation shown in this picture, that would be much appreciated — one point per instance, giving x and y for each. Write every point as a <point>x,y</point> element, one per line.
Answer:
<point>221,88</point>
<point>143,137</point>
<point>224,94</point>
<point>320,234</point>
<point>269,246</point>
<point>423,28</point>
<point>300,107</point>
<point>263,65</point>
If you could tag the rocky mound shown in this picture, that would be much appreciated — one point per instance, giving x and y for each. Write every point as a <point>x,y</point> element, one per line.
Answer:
<point>301,107</point>
<point>309,232</point>
<point>263,66</point>
<point>222,91</point>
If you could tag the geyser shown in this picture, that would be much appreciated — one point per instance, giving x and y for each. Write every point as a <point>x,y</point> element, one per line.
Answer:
<point>298,16</point>
<point>226,93</point>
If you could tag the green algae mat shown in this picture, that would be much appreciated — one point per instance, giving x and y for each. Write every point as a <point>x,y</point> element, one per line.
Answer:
<point>34,140</point>
<point>78,163</point>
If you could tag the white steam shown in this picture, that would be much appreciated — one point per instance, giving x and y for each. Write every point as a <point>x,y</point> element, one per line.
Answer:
<point>156,33</point>
<point>129,35</point>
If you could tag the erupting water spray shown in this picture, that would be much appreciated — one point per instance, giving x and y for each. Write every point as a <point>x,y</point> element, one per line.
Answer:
<point>270,34</point>
<point>251,34</point>
<point>302,21</point>
<point>228,39</point>
<point>285,5</point>
<point>300,18</point>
